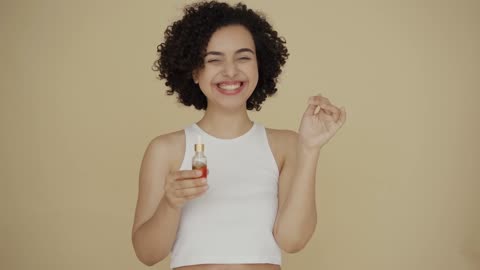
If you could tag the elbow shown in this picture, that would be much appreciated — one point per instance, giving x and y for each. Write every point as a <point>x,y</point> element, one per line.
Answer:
<point>146,261</point>
<point>148,256</point>
<point>292,247</point>
<point>292,243</point>
<point>149,259</point>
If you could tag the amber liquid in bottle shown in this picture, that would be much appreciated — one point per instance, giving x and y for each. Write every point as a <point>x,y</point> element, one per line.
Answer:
<point>199,160</point>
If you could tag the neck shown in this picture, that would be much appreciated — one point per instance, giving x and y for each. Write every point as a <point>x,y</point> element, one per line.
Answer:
<point>225,125</point>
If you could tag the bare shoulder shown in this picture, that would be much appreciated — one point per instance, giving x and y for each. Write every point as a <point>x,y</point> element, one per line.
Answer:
<point>170,138</point>
<point>282,135</point>
<point>170,144</point>
<point>282,143</point>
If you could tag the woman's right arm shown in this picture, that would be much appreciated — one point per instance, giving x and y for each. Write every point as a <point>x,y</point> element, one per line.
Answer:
<point>161,196</point>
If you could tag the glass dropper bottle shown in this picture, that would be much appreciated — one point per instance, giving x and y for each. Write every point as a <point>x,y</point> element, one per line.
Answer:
<point>199,160</point>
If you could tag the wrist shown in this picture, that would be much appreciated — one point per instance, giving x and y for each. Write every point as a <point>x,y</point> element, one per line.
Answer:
<point>306,150</point>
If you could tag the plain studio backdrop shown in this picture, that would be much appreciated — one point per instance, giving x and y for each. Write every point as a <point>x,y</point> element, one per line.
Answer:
<point>397,188</point>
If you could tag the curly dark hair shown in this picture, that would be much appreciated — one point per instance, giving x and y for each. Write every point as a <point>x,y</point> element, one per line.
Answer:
<point>185,47</point>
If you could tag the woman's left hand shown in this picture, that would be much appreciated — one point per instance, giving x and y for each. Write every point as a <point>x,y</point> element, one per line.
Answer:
<point>318,126</point>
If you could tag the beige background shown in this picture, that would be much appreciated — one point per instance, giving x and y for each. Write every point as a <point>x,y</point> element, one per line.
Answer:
<point>398,187</point>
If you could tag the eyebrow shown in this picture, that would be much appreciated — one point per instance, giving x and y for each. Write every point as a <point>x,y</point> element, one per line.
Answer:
<point>238,51</point>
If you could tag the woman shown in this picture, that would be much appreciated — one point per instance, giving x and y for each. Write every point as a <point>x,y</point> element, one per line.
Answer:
<point>259,195</point>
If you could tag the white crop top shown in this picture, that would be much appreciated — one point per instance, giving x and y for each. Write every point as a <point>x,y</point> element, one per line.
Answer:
<point>232,223</point>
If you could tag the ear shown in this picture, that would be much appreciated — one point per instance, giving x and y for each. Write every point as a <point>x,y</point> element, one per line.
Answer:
<point>195,76</point>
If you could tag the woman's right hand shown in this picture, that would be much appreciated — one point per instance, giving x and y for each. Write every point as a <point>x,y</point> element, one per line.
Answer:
<point>182,186</point>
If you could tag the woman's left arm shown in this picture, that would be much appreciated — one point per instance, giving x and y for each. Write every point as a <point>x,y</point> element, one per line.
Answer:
<point>297,215</point>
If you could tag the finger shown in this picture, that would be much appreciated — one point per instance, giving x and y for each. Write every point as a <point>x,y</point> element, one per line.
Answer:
<point>311,109</point>
<point>190,183</point>
<point>190,191</point>
<point>187,174</point>
<point>343,115</point>
<point>315,99</point>
<point>319,98</point>
<point>341,119</point>
<point>191,197</point>
<point>313,103</point>
<point>331,110</point>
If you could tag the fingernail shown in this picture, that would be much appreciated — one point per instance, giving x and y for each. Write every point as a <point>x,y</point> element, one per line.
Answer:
<point>198,173</point>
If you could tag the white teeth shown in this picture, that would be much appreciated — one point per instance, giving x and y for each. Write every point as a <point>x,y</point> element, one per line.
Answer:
<point>229,87</point>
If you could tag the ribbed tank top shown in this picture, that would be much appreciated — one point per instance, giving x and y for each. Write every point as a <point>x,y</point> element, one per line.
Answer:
<point>232,223</point>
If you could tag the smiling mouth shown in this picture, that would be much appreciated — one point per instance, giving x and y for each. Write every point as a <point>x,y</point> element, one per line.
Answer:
<point>230,86</point>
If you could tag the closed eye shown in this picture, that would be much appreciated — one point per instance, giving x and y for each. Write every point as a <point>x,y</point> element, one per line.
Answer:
<point>213,60</point>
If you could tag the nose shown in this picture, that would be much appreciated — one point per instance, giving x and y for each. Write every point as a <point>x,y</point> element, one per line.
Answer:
<point>230,69</point>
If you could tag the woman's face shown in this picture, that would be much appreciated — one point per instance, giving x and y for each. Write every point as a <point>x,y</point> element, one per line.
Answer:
<point>230,72</point>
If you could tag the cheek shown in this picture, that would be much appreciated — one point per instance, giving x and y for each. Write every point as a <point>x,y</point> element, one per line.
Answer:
<point>204,86</point>
<point>253,73</point>
<point>205,77</point>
